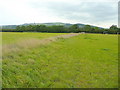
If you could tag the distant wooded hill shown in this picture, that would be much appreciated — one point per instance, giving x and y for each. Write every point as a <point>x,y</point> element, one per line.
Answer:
<point>47,24</point>
<point>59,28</point>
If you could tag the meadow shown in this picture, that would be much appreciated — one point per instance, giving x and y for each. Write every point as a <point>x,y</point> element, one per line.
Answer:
<point>81,61</point>
<point>13,37</point>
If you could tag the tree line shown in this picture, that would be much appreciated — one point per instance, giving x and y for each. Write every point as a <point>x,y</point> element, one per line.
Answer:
<point>63,29</point>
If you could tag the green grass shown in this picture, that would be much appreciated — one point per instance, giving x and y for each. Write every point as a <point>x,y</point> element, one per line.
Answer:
<point>84,61</point>
<point>13,37</point>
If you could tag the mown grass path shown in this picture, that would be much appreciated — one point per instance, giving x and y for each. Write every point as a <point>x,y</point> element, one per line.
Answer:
<point>13,37</point>
<point>32,43</point>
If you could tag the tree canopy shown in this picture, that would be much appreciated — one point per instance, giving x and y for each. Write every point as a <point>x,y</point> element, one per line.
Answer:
<point>62,29</point>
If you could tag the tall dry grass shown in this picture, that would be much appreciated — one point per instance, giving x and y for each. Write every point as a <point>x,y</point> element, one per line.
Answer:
<point>31,43</point>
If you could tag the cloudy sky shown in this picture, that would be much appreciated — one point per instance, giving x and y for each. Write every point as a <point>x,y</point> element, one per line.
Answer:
<point>103,13</point>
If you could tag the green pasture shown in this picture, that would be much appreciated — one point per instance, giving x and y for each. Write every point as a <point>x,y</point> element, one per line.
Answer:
<point>13,37</point>
<point>83,61</point>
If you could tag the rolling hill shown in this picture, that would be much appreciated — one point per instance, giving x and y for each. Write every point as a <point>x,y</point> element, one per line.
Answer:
<point>47,24</point>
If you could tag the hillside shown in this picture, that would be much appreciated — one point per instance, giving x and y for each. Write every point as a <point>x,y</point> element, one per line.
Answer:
<point>47,24</point>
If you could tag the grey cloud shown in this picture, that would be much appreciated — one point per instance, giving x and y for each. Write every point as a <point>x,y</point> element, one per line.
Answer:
<point>82,11</point>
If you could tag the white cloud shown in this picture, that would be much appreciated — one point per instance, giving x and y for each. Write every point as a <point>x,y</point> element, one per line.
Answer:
<point>29,11</point>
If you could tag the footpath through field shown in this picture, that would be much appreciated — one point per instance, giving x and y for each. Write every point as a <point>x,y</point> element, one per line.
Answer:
<point>31,43</point>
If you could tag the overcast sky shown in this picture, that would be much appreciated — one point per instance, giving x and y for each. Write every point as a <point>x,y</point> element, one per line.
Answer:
<point>103,13</point>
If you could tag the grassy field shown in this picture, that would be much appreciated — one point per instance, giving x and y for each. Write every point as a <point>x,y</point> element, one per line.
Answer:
<point>83,61</point>
<point>13,37</point>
